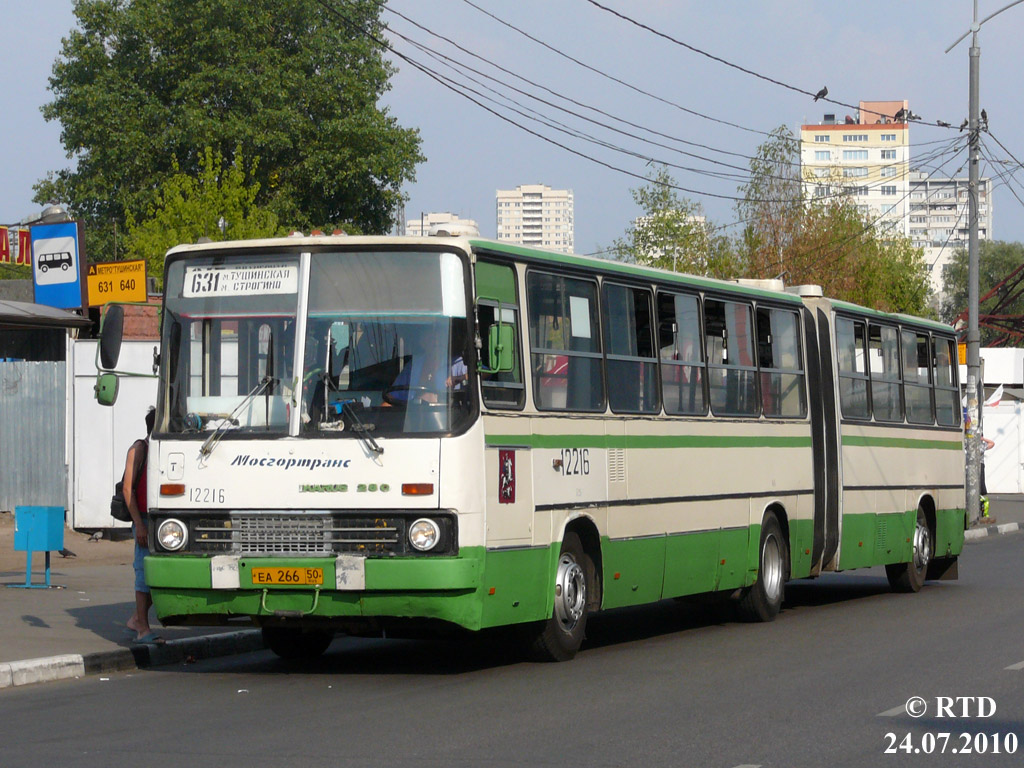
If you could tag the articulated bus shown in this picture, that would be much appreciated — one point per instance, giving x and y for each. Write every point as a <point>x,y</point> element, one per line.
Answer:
<point>388,434</point>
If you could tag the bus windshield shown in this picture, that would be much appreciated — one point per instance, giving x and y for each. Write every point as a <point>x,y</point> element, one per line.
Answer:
<point>384,353</point>
<point>229,343</point>
<point>385,349</point>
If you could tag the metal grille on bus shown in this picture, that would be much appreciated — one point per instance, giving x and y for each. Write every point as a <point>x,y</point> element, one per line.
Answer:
<point>307,534</point>
<point>616,465</point>
<point>881,534</point>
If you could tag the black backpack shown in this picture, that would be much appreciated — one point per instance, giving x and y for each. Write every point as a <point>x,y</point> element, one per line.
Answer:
<point>118,505</point>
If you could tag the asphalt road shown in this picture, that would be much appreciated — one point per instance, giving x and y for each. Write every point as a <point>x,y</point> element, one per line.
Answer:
<point>669,684</point>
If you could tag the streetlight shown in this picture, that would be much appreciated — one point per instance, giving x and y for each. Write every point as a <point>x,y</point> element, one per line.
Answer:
<point>51,214</point>
<point>973,334</point>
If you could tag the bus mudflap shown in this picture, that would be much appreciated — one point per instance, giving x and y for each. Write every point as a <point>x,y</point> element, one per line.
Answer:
<point>944,569</point>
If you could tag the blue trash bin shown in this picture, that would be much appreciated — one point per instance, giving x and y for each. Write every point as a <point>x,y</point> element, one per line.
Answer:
<point>38,529</point>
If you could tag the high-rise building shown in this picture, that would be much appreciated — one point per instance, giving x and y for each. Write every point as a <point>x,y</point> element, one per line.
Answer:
<point>432,223</point>
<point>864,157</point>
<point>940,221</point>
<point>536,215</point>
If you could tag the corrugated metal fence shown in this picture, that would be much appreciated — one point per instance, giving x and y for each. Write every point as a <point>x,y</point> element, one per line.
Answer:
<point>33,406</point>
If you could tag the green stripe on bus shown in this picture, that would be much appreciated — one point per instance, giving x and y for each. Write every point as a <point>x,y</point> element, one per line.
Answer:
<point>646,273</point>
<point>646,441</point>
<point>901,442</point>
<point>651,441</point>
<point>891,316</point>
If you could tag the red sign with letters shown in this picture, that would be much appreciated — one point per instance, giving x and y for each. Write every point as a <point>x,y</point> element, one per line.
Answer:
<point>24,248</point>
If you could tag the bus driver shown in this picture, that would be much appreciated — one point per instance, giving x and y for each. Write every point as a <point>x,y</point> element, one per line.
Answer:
<point>426,375</point>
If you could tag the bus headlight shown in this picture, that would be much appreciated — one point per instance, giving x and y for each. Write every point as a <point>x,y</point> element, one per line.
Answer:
<point>424,534</point>
<point>172,535</point>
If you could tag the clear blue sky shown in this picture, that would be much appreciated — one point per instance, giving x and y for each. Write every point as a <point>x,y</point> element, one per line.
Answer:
<point>870,49</point>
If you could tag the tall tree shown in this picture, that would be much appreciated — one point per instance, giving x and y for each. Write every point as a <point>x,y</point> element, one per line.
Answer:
<point>772,205</point>
<point>672,233</point>
<point>142,82</point>
<point>218,204</point>
<point>996,261</point>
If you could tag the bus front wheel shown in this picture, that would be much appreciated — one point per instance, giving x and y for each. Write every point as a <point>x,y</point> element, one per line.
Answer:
<point>763,600</point>
<point>297,643</point>
<point>909,577</point>
<point>558,638</point>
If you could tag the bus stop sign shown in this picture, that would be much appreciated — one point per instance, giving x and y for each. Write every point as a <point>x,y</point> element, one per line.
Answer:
<point>116,281</point>
<point>57,273</point>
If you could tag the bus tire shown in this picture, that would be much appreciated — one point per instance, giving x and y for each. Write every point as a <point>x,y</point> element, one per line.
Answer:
<point>559,637</point>
<point>763,600</point>
<point>910,577</point>
<point>297,643</point>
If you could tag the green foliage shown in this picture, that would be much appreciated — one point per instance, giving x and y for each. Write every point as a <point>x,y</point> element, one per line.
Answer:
<point>672,233</point>
<point>143,84</point>
<point>828,243</point>
<point>772,205</point>
<point>996,260</point>
<point>189,207</point>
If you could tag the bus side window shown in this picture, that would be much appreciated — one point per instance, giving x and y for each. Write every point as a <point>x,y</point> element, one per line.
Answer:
<point>732,372</point>
<point>565,343</point>
<point>884,367</point>
<point>782,373</point>
<point>629,342</point>
<point>947,389</point>
<point>853,375</point>
<point>682,354</point>
<point>917,380</point>
<point>496,289</point>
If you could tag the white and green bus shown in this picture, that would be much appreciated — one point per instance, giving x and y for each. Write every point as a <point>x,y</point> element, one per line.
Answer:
<point>375,435</point>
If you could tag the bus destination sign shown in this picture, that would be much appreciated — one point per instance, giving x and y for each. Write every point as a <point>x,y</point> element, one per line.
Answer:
<point>242,280</point>
<point>116,281</point>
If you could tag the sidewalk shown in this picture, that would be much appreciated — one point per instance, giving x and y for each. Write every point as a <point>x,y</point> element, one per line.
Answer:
<point>1006,515</point>
<point>50,634</point>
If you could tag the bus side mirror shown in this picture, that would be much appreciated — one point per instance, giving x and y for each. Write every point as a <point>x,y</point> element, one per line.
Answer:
<point>500,348</point>
<point>106,388</point>
<point>111,331</point>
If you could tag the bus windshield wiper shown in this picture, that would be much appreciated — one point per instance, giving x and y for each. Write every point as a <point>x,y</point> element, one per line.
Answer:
<point>211,442</point>
<point>361,429</point>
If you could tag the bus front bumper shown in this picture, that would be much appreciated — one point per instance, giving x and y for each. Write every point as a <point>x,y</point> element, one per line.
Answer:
<point>216,590</point>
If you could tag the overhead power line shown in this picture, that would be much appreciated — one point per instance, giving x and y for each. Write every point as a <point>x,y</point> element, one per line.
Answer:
<point>816,95</point>
<point>557,125</point>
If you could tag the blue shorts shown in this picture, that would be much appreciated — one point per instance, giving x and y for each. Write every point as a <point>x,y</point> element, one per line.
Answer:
<point>140,576</point>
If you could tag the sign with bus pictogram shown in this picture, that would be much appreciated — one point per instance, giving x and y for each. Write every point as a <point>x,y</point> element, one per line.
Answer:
<point>116,281</point>
<point>57,259</point>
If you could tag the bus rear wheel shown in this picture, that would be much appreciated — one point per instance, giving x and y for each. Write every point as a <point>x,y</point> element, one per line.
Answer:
<point>297,643</point>
<point>558,638</point>
<point>763,600</point>
<point>909,577</point>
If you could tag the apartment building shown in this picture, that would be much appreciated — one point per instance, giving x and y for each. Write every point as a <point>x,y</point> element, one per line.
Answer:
<point>866,158</point>
<point>940,219</point>
<point>536,215</point>
<point>432,223</point>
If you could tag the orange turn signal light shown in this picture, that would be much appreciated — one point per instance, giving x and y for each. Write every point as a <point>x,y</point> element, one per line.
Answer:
<point>172,489</point>
<point>417,489</point>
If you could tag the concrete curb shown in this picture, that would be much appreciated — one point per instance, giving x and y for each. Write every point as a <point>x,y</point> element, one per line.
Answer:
<point>983,531</point>
<point>29,671</point>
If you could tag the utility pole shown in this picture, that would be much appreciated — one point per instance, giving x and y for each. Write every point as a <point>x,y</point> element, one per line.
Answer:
<point>975,385</point>
<point>973,333</point>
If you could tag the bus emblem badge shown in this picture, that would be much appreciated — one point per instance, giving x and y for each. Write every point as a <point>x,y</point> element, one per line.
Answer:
<point>506,477</point>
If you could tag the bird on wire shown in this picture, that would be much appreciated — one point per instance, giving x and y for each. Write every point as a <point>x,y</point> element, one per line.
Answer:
<point>821,94</point>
